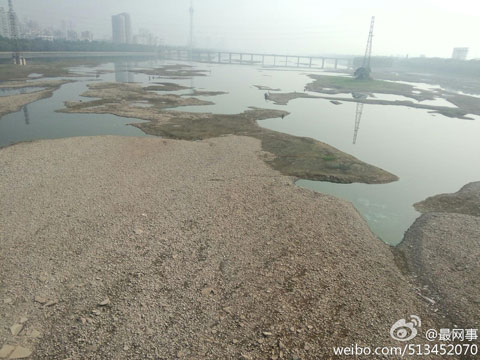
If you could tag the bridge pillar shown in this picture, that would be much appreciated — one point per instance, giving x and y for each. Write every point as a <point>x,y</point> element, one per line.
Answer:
<point>310,64</point>
<point>336,63</point>
<point>230,58</point>
<point>298,61</point>
<point>241,58</point>
<point>323,63</point>
<point>274,60</point>
<point>286,60</point>
<point>263,59</point>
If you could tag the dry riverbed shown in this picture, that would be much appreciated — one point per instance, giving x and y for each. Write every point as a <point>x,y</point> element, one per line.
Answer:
<point>333,85</point>
<point>141,248</point>
<point>295,156</point>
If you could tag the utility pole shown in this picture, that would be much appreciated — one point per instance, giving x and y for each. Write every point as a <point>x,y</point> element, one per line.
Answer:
<point>17,57</point>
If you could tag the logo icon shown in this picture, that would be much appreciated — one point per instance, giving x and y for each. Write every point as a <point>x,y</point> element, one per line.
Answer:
<point>403,330</point>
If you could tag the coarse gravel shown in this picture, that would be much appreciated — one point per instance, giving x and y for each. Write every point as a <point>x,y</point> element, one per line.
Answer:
<point>147,248</point>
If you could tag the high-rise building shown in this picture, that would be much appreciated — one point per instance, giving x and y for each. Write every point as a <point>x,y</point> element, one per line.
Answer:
<point>4,26</point>
<point>122,28</point>
<point>460,53</point>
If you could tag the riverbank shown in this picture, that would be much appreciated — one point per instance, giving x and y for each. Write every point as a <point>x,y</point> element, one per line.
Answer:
<point>116,247</point>
<point>442,249</point>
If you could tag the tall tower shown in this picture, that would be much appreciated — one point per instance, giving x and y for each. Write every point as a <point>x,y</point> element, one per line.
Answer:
<point>363,72</point>
<point>17,57</point>
<point>191,25</point>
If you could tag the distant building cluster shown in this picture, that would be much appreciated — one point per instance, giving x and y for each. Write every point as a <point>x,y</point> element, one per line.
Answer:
<point>29,29</point>
<point>460,53</point>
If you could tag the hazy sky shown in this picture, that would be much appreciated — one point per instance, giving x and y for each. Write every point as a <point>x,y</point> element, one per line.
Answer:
<point>402,27</point>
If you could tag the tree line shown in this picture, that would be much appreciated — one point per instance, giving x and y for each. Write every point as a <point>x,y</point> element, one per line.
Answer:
<point>65,45</point>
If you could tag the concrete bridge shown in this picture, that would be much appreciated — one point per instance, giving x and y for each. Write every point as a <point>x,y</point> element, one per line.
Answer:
<point>221,57</point>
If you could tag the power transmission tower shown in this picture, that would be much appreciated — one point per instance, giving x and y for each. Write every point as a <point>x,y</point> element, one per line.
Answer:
<point>17,57</point>
<point>363,72</point>
<point>368,50</point>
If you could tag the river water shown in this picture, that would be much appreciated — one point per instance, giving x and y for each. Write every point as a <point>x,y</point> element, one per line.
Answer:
<point>430,153</point>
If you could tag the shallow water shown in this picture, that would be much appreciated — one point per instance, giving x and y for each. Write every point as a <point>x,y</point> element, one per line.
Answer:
<point>13,91</point>
<point>429,152</point>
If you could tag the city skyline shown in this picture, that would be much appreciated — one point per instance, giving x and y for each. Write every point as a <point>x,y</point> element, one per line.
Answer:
<point>412,28</point>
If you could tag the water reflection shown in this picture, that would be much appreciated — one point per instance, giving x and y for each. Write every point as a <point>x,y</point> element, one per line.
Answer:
<point>358,114</point>
<point>25,109</point>
<point>123,72</point>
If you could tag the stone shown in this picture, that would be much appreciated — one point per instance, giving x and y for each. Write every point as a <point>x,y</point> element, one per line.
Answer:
<point>96,312</point>
<point>267,333</point>
<point>51,303</point>
<point>34,333</point>
<point>23,320</point>
<point>138,231</point>
<point>41,300</point>
<point>8,301</point>
<point>20,353</point>
<point>6,350</point>
<point>235,341</point>
<point>208,291</point>
<point>16,329</point>
<point>105,302</point>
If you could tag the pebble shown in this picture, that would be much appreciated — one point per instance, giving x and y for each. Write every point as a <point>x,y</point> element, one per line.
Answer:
<point>34,333</point>
<point>267,333</point>
<point>51,303</point>
<point>105,302</point>
<point>16,329</point>
<point>208,291</point>
<point>41,300</point>
<point>23,320</point>
<point>14,352</point>
<point>138,231</point>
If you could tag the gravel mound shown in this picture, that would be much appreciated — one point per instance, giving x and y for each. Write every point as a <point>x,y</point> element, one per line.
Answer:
<point>444,251</point>
<point>465,201</point>
<point>146,248</point>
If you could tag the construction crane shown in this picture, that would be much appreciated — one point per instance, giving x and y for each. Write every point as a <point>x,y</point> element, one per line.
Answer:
<point>17,57</point>
<point>363,72</point>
